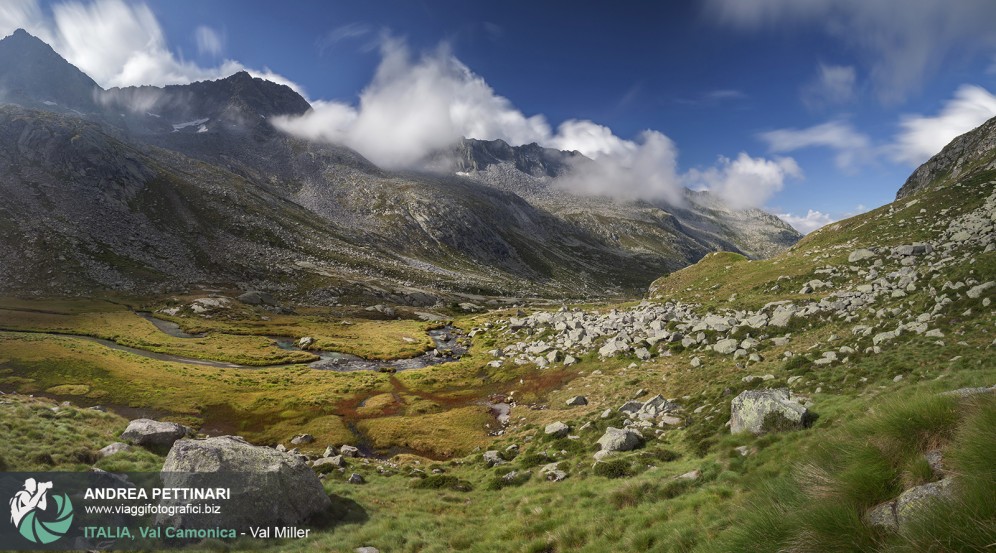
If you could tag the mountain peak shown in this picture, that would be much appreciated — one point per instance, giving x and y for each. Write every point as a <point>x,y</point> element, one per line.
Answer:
<point>35,75</point>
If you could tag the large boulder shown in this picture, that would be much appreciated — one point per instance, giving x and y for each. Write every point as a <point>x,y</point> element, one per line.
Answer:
<point>268,487</point>
<point>759,411</point>
<point>147,432</point>
<point>557,429</point>
<point>620,439</point>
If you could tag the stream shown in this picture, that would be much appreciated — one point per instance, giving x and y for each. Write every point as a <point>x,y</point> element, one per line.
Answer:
<point>445,340</point>
<point>447,348</point>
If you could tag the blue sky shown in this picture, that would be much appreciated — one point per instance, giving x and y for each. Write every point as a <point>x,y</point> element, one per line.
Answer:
<point>824,105</point>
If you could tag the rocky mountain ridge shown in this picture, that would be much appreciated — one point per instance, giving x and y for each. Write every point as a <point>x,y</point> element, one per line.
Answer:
<point>193,186</point>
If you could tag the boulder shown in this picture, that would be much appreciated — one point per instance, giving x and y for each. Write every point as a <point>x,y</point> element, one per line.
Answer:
<point>726,347</point>
<point>782,315</point>
<point>913,500</point>
<point>577,400</point>
<point>557,429</point>
<point>552,473</point>
<point>492,458</point>
<point>148,432</point>
<point>860,255</point>
<point>620,439</point>
<point>302,439</point>
<point>111,449</point>
<point>293,494</point>
<point>976,291</point>
<point>356,479</point>
<point>255,297</point>
<point>336,461</point>
<point>349,451</point>
<point>750,410</point>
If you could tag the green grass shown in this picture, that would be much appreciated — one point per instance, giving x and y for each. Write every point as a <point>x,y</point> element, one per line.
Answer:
<point>41,435</point>
<point>820,506</point>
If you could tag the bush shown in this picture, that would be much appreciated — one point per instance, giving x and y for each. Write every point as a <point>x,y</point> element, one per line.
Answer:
<point>796,362</point>
<point>532,459</point>
<point>618,468</point>
<point>662,455</point>
<point>442,482</point>
<point>505,481</point>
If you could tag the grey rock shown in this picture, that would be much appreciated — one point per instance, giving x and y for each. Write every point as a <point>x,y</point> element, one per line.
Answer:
<point>557,429</point>
<point>356,478</point>
<point>292,490</point>
<point>620,439</point>
<point>882,515</point>
<point>913,500</point>
<point>749,409</point>
<point>726,347</point>
<point>492,458</point>
<point>302,439</point>
<point>116,447</point>
<point>577,400</point>
<point>147,432</point>
<point>336,461</point>
<point>860,255</point>
<point>255,297</point>
<point>976,291</point>
<point>630,407</point>
<point>349,451</point>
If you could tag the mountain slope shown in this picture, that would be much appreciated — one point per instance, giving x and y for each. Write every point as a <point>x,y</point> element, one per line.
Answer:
<point>671,232</point>
<point>971,152</point>
<point>150,189</point>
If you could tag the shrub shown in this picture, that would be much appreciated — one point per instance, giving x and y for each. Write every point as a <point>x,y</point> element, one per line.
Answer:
<point>442,482</point>
<point>617,468</point>
<point>518,479</point>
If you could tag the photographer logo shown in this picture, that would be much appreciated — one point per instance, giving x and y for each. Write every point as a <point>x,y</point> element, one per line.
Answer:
<point>31,514</point>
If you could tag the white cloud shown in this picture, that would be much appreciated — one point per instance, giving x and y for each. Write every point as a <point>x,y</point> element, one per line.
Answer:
<point>341,33</point>
<point>900,43</point>
<point>745,181</point>
<point>209,41</point>
<point>809,222</point>
<point>834,85</point>
<point>642,169</point>
<point>415,106</point>
<point>115,43</point>
<point>851,146</point>
<point>922,136</point>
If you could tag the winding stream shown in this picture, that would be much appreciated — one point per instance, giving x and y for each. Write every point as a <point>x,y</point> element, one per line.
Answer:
<point>446,341</point>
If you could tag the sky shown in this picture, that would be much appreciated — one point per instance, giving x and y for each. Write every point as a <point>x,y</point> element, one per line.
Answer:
<point>813,110</point>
